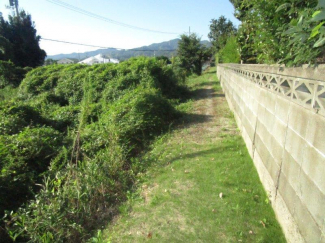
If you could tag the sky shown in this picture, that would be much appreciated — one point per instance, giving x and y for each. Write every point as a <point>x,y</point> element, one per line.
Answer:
<point>173,16</point>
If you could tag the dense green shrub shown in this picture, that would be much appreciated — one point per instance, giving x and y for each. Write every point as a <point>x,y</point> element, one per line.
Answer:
<point>81,127</point>
<point>230,52</point>
<point>24,157</point>
<point>10,74</point>
<point>14,117</point>
<point>77,199</point>
<point>139,116</point>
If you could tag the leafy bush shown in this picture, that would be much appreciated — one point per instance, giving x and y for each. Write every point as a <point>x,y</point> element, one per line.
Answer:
<point>10,74</point>
<point>139,116</point>
<point>13,118</point>
<point>230,52</point>
<point>81,127</point>
<point>24,157</point>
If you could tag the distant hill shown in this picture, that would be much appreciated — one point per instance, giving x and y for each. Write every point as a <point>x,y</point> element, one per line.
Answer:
<point>163,49</point>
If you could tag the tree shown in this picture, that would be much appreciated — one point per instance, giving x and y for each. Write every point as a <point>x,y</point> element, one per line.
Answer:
<point>22,45</point>
<point>306,33</point>
<point>229,53</point>
<point>50,61</point>
<point>220,30</point>
<point>264,35</point>
<point>192,53</point>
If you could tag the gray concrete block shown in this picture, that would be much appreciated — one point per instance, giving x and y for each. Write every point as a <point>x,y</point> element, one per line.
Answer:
<point>276,149</point>
<point>313,198</point>
<point>314,167</point>
<point>279,131</point>
<point>288,193</point>
<point>269,119</point>
<point>316,132</point>
<point>307,225</point>
<point>282,108</point>
<point>291,169</point>
<point>266,157</point>
<point>270,101</point>
<point>298,119</point>
<point>295,145</point>
<point>262,97</point>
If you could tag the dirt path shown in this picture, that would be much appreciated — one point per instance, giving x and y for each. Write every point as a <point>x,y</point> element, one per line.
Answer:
<point>202,185</point>
<point>211,104</point>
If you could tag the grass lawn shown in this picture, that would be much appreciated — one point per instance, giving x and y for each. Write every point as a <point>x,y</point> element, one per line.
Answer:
<point>202,185</point>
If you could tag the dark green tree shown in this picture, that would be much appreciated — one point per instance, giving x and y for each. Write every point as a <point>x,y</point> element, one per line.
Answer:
<point>220,30</point>
<point>50,61</point>
<point>192,53</point>
<point>19,41</point>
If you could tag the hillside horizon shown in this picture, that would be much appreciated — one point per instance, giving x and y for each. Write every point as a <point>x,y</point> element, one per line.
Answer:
<point>155,49</point>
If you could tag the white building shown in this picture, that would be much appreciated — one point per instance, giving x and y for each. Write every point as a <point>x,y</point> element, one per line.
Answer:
<point>99,59</point>
<point>65,61</point>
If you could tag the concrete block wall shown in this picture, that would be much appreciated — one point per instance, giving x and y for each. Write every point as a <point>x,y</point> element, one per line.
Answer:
<point>287,143</point>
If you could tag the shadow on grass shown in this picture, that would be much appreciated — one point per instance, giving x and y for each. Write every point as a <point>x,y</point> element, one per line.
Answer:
<point>192,119</point>
<point>200,94</point>
<point>204,84</point>
<point>209,71</point>
<point>202,153</point>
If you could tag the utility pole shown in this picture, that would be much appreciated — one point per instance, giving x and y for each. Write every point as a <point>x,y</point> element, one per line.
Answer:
<point>14,4</point>
<point>189,30</point>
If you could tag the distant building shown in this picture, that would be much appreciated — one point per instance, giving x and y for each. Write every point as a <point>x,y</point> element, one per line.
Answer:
<point>65,61</point>
<point>98,59</point>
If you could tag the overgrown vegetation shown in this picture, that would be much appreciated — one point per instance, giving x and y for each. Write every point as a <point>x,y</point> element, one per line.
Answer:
<point>276,31</point>
<point>281,31</point>
<point>10,74</point>
<point>70,141</point>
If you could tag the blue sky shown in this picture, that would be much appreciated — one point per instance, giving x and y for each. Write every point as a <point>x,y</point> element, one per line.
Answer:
<point>55,22</point>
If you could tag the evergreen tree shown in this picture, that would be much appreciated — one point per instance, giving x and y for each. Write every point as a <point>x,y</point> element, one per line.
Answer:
<point>220,30</point>
<point>192,53</point>
<point>19,41</point>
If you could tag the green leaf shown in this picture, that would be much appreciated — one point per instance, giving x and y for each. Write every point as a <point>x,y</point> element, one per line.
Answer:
<point>322,30</point>
<point>321,4</point>
<point>315,31</point>
<point>318,15</point>
<point>300,20</point>
<point>283,6</point>
<point>320,42</point>
<point>290,31</point>
<point>317,12</point>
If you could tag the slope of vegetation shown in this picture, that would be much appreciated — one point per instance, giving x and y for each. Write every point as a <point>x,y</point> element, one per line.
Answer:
<point>70,142</point>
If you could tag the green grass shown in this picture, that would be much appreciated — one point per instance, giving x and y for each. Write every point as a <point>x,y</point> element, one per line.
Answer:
<point>202,185</point>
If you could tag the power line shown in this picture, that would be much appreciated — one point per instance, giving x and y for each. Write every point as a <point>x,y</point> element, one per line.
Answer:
<point>96,16</point>
<point>102,47</point>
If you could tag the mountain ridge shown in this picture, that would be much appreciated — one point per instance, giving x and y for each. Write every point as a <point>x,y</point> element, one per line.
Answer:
<point>156,49</point>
